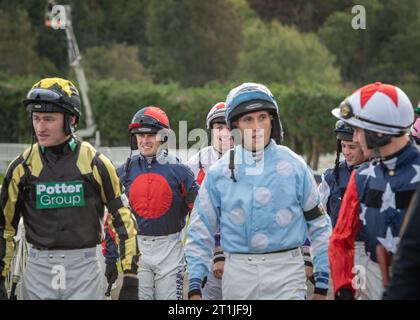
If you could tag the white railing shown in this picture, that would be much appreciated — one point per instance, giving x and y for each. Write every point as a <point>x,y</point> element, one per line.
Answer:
<point>118,155</point>
<point>8,152</point>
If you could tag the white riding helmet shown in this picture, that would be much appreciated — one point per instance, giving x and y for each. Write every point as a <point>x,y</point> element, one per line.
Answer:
<point>216,114</point>
<point>377,107</point>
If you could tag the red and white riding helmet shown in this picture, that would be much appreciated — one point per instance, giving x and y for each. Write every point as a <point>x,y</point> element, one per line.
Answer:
<point>216,114</point>
<point>377,107</point>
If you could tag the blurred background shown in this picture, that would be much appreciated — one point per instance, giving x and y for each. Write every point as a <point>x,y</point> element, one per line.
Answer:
<point>185,55</point>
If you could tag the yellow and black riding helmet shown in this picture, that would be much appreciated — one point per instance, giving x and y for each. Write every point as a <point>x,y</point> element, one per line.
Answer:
<point>55,95</point>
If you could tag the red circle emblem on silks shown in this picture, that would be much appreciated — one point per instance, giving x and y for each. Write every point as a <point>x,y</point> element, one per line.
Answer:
<point>150,195</point>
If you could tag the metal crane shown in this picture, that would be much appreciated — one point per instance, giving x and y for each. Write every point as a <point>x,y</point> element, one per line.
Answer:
<point>59,17</point>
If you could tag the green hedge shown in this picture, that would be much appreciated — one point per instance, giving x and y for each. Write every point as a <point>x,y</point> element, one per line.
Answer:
<point>305,110</point>
<point>15,124</point>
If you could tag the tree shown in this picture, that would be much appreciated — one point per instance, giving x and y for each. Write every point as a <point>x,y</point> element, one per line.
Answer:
<point>385,51</point>
<point>193,42</point>
<point>16,123</point>
<point>125,22</point>
<point>304,15</point>
<point>275,53</point>
<point>18,43</point>
<point>397,65</point>
<point>396,60</point>
<point>118,61</point>
<point>95,23</point>
<point>354,49</point>
<point>306,117</point>
<point>99,23</point>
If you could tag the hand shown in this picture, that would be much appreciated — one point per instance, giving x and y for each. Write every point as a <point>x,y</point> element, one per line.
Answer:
<point>384,261</point>
<point>317,296</point>
<point>196,297</point>
<point>130,288</point>
<point>3,291</point>
<point>309,273</point>
<point>344,294</point>
<point>218,268</point>
<point>111,272</point>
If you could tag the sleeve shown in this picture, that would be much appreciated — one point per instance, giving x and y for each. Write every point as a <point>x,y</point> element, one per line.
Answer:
<point>120,218</point>
<point>204,224</point>
<point>341,250</point>
<point>324,192</point>
<point>319,230</point>
<point>10,213</point>
<point>110,248</point>
<point>189,188</point>
<point>306,253</point>
<point>218,254</point>
<point>192,163</point>
<point>405,281</point>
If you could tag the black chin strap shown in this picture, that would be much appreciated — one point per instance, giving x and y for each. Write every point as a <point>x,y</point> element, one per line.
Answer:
<point>232,165</point>
<point>33,141</point>
<point>67,126</point>
<point>200,165</point>
<point>126,166</point>
<point>377,157</point>
<point>337,161</point>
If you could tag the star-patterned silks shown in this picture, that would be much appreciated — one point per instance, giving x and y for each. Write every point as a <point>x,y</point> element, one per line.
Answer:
<point>388,198</point>
<point>384,191</point>
<point>362,215</point>
<point>389,242</point>
<point>416,178</point>
<point>390,164</point>
<point>369,171</point>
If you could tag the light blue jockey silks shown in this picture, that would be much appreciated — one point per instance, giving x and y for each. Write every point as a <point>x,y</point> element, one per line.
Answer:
<point>262,212</point>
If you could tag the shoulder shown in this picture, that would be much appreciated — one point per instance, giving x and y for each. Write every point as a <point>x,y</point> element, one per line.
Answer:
<point>32,157</point>
<point>415,151</point>
<point>201,153</point>
<point>220,164</point>
<point>206,151</point>
<point>133,162</point>
<point>329,175</point>
<point>89,157</point>
<point>184,169</point>
<point>343,164</point>
<point>15,170</point>
<point>365,170</point>
<point>87,150</point>
<point>286,155</point>
<point>175,163</point>
<point>120,169</point>
<point>363,167</point>
<point>193,160</point>
<point>15,165</point>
